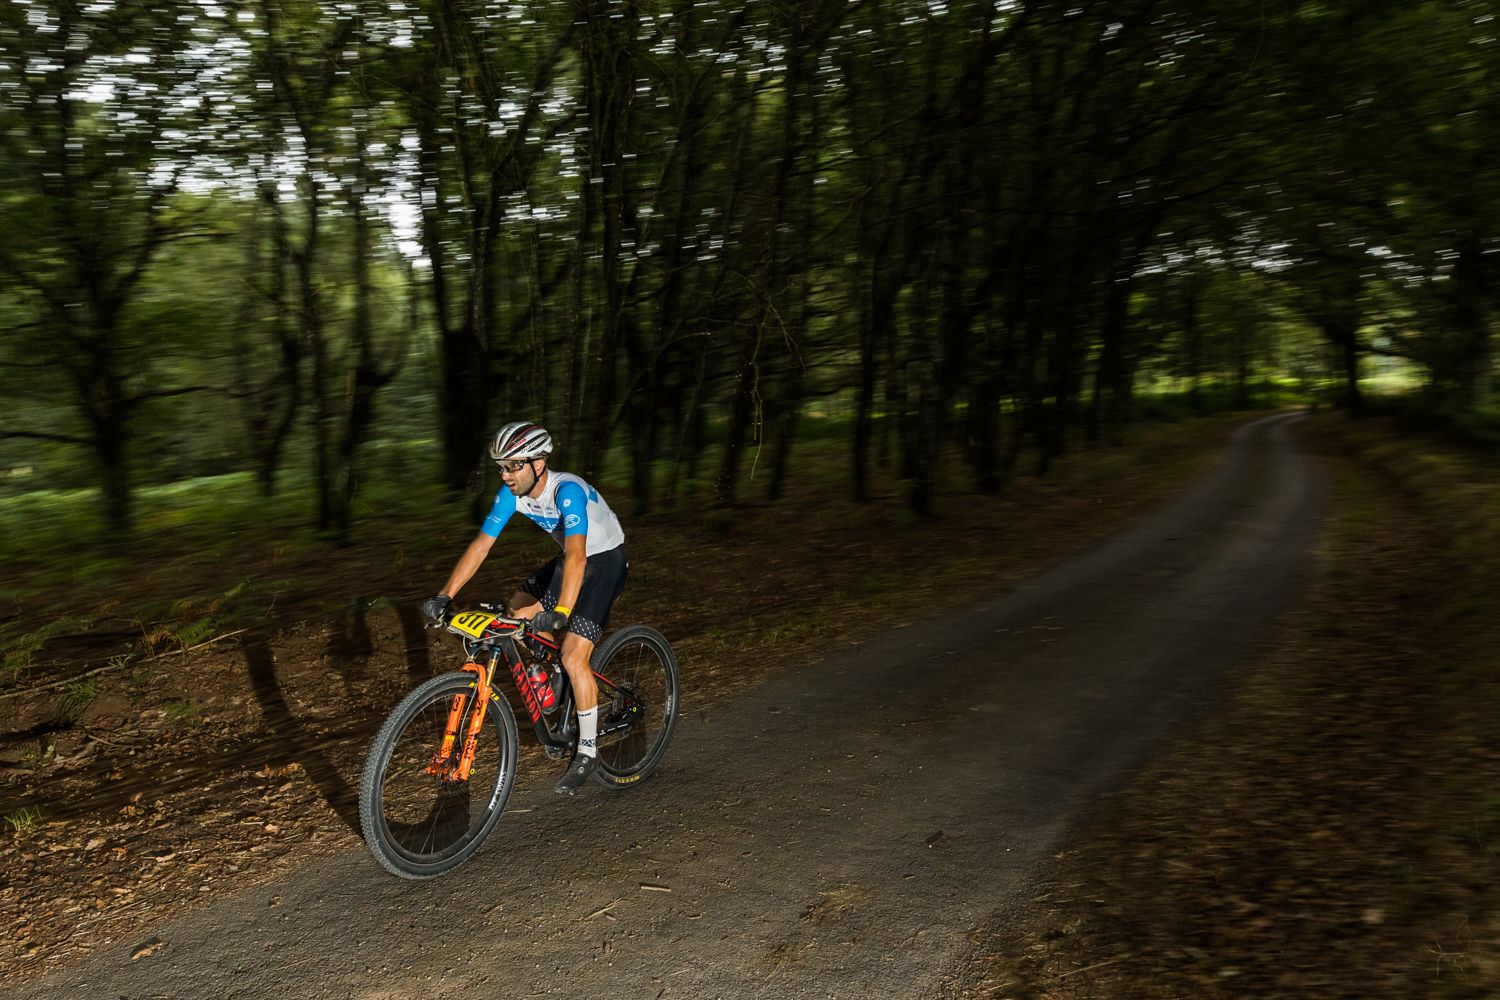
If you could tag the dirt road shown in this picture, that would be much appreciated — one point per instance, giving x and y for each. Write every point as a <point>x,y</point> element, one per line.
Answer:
<point>837,834</point>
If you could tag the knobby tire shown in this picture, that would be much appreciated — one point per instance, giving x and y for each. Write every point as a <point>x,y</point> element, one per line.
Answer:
<point>640,661</point>
<point>415,824</point>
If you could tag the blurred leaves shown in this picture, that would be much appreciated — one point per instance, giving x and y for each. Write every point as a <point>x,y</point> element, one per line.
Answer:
<point>265,235</point>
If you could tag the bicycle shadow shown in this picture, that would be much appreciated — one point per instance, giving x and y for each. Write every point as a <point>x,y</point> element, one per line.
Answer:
<point>292,741</point>
<point>414,641</point>
<point>349,650</point>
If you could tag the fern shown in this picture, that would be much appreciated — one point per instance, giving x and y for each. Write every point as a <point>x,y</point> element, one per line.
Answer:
<point>193,634</point>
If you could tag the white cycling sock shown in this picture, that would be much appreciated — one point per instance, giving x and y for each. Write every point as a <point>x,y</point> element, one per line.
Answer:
<point>588,729</point>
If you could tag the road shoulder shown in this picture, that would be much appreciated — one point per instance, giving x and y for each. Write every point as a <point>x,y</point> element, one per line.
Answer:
<point>1330,831</point>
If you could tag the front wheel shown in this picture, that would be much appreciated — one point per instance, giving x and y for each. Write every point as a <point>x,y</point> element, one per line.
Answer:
<point>419,818</point>
<point>637,675</point>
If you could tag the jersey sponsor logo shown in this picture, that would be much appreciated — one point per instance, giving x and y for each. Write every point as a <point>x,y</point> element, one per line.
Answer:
<point>567,503</point>
<point>572,521</point>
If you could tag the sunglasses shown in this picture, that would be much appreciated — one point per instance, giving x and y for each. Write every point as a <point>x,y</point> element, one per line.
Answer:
<point>515,466</point>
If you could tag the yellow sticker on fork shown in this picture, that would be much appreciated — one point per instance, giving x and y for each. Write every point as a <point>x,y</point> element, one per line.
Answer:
<point>471,623</point>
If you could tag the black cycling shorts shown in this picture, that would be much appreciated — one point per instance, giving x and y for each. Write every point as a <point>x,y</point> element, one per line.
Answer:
<point>603,580</point>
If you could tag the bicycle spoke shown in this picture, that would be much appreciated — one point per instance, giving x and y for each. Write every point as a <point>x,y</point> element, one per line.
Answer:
<point>419,819</point>
<point>637,703</point>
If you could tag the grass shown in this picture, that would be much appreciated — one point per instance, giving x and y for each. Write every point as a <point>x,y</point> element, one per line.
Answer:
<point>23,819</point>
<point>75,698</point>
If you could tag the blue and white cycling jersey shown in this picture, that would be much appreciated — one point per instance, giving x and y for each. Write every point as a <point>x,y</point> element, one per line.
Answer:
<point>567,506</point>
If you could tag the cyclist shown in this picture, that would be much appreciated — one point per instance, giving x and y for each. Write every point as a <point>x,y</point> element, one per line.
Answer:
<point>573,592</point>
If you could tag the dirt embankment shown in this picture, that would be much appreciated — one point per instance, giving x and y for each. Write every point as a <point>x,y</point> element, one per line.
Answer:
<point>1334,833</point>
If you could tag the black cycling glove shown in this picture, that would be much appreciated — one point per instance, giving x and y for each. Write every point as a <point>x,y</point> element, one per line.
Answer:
<point>436,607</point>
<point>549,621</point>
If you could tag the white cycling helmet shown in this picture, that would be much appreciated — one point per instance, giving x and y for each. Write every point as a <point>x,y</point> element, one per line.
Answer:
<point>520,439</point>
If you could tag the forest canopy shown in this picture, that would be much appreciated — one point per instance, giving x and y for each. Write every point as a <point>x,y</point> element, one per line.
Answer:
<point>272,237</point>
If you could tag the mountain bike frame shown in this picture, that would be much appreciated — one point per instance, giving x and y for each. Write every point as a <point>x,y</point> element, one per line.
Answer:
<point>491,640</point>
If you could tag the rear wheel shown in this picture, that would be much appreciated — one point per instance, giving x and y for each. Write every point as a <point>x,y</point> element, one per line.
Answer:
<point>637,675</point>
<point>419,819</point>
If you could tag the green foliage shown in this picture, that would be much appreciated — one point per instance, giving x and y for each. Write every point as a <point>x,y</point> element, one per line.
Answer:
<point>20,649</point>
<point>189,621</point>
<point>23,819</point>
<point>195,632</point>
<point>776,210</point>
<point>1440,413</point>
<point>1219,397</point>
<point>75,698</point>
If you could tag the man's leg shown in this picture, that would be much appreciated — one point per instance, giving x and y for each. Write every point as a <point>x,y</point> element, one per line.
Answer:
<point>577,652</point>
<point>524,605</point>
<point>527,601</point>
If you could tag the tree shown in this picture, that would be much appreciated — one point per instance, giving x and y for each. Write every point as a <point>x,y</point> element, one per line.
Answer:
<point>105,109</point>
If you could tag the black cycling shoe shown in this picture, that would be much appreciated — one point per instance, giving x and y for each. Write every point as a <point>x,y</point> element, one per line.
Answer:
<point>579,771</point>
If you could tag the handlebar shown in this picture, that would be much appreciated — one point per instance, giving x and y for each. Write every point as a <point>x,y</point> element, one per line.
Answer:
<point>487,624</point>
<point>493,612</point>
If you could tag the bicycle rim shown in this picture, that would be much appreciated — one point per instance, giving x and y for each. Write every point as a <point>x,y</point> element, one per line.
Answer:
<point>416,823</point>
<point>638,702</point>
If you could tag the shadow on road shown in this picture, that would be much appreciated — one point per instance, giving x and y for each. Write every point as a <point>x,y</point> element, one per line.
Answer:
<point>414,637</point>
<point>293,741</point>
<point>349,650</point>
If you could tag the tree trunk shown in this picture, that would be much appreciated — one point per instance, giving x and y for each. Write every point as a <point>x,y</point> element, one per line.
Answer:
<point>366,378</point>
<point>608,80</point>
<point>984,417</point>
<point>797,305</point>
<point>325,407</point>
<point>689,428</point>
<point>273,400</point>
<point>1470,292</point>
<point>106,405</point>
<point>581,322</point>
<point>458,362</point>
<point>743,408</point>
<point>864,400</point>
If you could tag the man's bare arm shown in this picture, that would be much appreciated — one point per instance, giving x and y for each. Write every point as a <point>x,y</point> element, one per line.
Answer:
<point>468,563</point>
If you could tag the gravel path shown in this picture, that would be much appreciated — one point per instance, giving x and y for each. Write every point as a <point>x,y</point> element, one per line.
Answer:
<point>837,834</point>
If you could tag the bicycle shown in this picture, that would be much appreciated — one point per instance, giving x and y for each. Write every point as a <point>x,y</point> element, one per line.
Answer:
<point>441,769</point>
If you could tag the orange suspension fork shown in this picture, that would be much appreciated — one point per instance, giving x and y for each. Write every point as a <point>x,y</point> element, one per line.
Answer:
<point>440,765</point>
<point>476,718</point>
